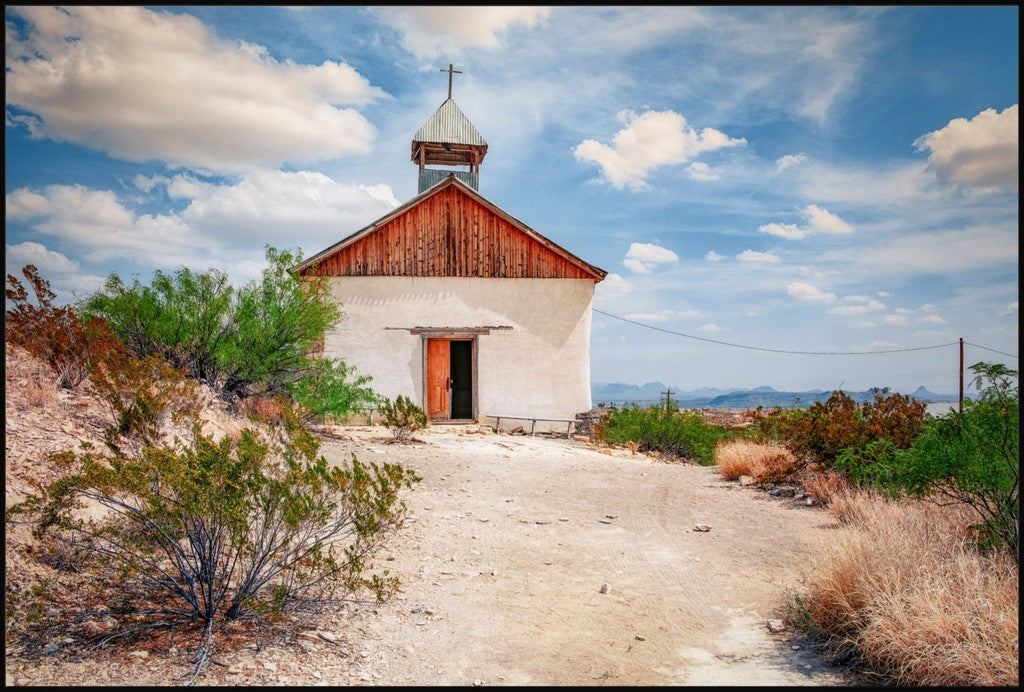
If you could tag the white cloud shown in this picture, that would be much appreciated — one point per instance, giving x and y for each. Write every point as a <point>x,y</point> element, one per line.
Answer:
<point>663,316</point>
<point>24,204</point>
<point>713,256</point>
<point>896,320</point>
<point>429,31</point>
<point>655,138</point>
<point>1011,309</point>
<point>47,261</point>
<point>807,292</point>
<point>973,248</point>
<point>981,153</point>
<point>857,305</point>
<point>285,210</point>
<point>303,207</point>
<point>142,85</point>
<point>784,230</point>
<point>613,286</point>
<point>700,171</point>
<point>754,256</point>
<point>642,257</point>
<point>818,221</point>
<point>822,221</point>
<point>710,328</point>
<point>789,160</point>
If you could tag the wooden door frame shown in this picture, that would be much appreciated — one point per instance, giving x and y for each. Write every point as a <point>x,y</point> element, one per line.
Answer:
<point>446,335</point>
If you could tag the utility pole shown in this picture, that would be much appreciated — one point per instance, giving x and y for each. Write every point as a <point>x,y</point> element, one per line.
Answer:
<point>961,374</point>
<point>668,400</point>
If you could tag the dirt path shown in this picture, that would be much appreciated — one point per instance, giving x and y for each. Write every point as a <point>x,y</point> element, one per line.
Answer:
<point>513,539</point>
<point>533,561</point>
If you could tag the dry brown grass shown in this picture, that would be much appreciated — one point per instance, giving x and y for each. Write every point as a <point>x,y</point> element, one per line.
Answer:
<point>824,485</point>
<point>905,588</point>
<point>764,462</point>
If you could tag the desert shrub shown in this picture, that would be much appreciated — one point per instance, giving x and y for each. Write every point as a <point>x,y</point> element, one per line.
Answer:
<point>764,462</point>
<point>141,393</point>
<point>402,417</point>
<point>68,345</point>
<point>266,409</point>
<point>210,531</point>
<point>969,457</point>
<point>901,591</point>
<point>822,431</point>
<point>894,417</point>
<point>683,434</point>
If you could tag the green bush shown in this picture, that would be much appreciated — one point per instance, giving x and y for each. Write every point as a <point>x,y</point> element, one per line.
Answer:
<point>679,433</point>
<point>402,417</point>
<point>968,457</point>
<point>220,530</point>
<point>260,339</point>
<point>331,388</point>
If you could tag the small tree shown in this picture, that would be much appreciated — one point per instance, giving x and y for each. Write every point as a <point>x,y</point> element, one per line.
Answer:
<point>183,317</point>
<point>402,417</point>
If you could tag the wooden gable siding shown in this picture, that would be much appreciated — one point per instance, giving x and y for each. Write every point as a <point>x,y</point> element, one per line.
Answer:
<point>448,234</point>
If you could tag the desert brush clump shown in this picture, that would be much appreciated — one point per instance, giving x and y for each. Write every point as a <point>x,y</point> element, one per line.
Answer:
<point>402,417</point>
<point>820,432</point>
<point>903,592</point>
<point>968,457</point>
<point>69,345</point>
<point>681,434</point>
<point>763,462</point>
<point>206,530</point>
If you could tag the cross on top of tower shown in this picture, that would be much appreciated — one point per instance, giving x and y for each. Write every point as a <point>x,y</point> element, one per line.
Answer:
<point>450,72</point>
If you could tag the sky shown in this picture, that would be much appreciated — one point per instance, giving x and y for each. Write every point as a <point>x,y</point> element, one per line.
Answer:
<point>817,197</point>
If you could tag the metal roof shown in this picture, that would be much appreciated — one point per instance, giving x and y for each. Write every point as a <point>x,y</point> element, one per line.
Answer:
<point>450,126</point>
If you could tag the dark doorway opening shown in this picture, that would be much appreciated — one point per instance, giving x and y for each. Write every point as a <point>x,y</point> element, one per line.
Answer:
<point>461,369</point>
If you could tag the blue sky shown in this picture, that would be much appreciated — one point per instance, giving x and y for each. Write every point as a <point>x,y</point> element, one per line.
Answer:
<point>795,197</point>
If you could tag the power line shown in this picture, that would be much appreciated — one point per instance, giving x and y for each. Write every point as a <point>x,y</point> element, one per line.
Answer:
<point>778,350</point>
<point>968,343</point>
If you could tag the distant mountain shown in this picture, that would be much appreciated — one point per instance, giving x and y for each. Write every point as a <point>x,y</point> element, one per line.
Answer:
<point>619,394</point>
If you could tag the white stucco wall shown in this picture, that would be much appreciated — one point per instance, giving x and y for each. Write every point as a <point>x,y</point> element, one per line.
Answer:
<point>540,367</point>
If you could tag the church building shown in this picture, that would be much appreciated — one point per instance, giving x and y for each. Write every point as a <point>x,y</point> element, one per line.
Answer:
<point>456,304</point>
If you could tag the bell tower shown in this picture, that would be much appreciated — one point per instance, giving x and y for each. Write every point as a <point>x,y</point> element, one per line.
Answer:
<point>448,140</point>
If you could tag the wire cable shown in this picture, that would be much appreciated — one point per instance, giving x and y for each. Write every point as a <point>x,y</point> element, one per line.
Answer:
<point>779,350</point>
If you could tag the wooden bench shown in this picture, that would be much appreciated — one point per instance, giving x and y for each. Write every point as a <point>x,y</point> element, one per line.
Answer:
<point>533,423</point>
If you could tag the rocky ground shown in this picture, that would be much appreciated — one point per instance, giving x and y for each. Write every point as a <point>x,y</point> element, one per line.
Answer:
<point>524,561</point>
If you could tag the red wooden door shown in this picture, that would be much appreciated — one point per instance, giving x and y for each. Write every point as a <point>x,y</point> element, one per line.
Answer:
<point>438,374</point>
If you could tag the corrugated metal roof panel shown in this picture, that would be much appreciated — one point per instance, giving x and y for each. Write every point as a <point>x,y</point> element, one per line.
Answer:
<point>449,125</point>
